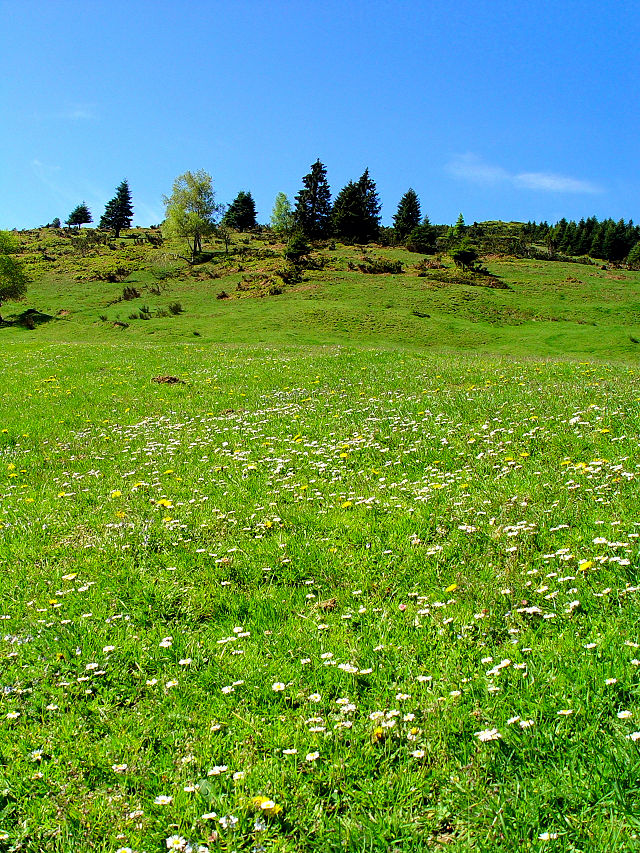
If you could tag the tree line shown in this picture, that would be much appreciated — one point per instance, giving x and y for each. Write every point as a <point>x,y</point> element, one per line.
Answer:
<point>192,213</point>
<point>605,240</point>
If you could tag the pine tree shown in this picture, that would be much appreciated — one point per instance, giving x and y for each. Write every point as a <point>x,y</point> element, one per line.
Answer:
<point>423,238</point>
<point>119,211</point>
<point>407,216</point>
<point>312,214</point>
<point>633,258</point>
<point>371,207</point>
<point>459,229</point>
<point>356,211</point>
<point>569,239</point>
<point>347,211</point>
<point>241,213</point>
<point>80,215</point>
<point>596,249</point>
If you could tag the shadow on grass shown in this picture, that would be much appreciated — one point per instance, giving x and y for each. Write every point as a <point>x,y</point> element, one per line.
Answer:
<point>29,319</point>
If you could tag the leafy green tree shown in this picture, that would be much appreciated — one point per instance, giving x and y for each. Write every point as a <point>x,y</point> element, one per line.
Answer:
<point>312,214</point>
<point>282,216</point>
<point>80,215</point>
<point>241,213</point>
<point>13,279</point>
<point>191,210</point>
<point>407,216</point>
<point>56,223</point>
<point>356,211</point>
<point>119,211</point>
<point>223,232</point>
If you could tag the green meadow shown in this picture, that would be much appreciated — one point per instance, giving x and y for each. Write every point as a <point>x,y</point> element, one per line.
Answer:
<point>363,577</point>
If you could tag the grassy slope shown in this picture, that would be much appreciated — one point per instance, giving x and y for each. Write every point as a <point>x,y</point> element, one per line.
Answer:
<point>549,309</point>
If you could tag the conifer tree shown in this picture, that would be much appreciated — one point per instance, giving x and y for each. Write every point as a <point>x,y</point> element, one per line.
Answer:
<point>241,213</point>
<point>312,214</point>
<point>633,259</point>
<point>80,215</point>
<point>596,249</point>
<point>346,215</point>
<point>356,211</point>
<point>371,207</point>
<point>423,238</point>
<point>459,229</point>
<point>119,211</point>
<point>407,217</point>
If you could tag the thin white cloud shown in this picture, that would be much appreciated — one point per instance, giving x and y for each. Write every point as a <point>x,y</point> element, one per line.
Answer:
<point>472,168</point>
<point>79,112</point>
<point>147,213</point>
<point>553,183</point>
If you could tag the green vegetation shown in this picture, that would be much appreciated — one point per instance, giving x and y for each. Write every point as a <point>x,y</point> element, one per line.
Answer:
<point>335,555</point>
<point>119,211</point>
<point>191,210</point>
<point>241,213</point>
<point>80,215</point>
<point>407,216</point>
<point>312,213</point>
<point>13,279</point>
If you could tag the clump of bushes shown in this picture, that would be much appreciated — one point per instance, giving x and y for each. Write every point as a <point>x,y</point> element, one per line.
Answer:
<point>377,265</point>
<point>296,249</point>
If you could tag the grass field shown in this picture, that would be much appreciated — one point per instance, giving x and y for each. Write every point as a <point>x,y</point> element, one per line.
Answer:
<point>364,580</point>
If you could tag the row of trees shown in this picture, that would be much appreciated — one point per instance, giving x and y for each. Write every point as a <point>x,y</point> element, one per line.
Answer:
<point>117,215</point>
<point>609,240</point>
<point>354,216</point>
<point>192,212</point>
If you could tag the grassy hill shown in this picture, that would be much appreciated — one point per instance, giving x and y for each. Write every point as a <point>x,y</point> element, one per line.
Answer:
<point>523,308</point>
<point>364,576</point>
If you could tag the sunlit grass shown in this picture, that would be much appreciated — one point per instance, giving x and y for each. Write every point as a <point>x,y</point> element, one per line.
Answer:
<point>393,597</point>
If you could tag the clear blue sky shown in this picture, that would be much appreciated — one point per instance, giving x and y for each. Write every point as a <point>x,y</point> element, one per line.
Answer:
<point>499,110</point>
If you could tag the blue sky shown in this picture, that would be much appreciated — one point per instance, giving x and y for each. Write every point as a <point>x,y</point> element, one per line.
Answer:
<point>499,110</point>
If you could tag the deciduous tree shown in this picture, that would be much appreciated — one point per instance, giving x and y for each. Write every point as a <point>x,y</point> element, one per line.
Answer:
<point>191,210</point>
<point>13,279</point>
<point>282,217</point>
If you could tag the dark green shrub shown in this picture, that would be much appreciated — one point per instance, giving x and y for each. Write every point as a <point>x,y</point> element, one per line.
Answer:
<point>422,239</point>
<point>379,266</point>
<point>297,248</point>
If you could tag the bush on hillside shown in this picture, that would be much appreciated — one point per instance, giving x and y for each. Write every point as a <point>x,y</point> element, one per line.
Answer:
<point>377,265</point>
